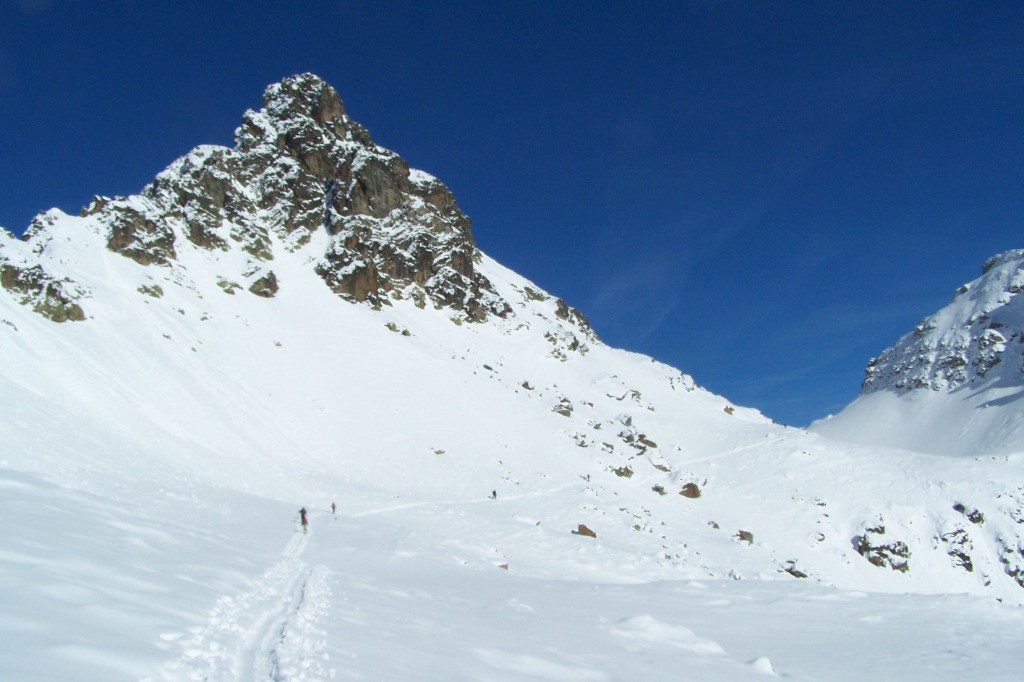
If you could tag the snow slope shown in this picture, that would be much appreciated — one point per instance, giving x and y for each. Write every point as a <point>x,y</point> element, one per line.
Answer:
<point>953,385</point>
<point>162,427</point>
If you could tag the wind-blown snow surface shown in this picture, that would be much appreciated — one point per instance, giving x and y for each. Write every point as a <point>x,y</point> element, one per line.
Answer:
<point>155,454</point>
<point>953,385</point>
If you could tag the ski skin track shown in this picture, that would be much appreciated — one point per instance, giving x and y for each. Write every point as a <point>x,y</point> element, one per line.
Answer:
<point>258,648</point>
<point>266,659</point>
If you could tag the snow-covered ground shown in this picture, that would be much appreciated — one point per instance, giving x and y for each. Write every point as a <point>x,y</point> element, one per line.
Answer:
<point>206,584</point>
<point>155,457</point>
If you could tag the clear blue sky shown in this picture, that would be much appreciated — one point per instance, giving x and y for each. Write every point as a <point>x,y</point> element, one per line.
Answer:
<point>763,194</point>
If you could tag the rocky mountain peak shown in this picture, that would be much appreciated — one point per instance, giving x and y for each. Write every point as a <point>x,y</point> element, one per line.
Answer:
<point>304,94</point>
<point>976,339</point>
<point>302,175</point>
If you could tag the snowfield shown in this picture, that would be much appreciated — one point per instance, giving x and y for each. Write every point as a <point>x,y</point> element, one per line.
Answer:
<point>225,587</point>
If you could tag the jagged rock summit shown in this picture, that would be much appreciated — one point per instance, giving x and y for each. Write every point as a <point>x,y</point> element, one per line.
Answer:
<point>953,384</point>
<point>301,171</point>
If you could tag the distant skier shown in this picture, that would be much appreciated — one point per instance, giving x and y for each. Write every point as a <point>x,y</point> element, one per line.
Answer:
<point>334,508</point>
<point>305,521</point>
<point>494,494</point>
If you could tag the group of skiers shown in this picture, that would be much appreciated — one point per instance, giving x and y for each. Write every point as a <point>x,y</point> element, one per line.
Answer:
<point>304,516</point>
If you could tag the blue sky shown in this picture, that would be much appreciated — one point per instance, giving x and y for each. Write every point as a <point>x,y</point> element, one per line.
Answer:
<point>763,194</point>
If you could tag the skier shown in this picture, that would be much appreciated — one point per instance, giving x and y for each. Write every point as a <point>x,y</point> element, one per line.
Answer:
<point>334,508</point>
<point>305,522</point>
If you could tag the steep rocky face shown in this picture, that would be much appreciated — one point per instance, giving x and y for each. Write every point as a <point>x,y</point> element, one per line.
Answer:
<point>976,339</point>
<point>301,166</point>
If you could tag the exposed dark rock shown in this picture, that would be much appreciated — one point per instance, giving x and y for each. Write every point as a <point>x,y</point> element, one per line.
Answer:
<point>793,570</point>
<point>973,515</point>
<point>391,228</point>
<point>135,236</point>
<point>690,490</point>
<point>265,286</point>
<point>583,530</point>
<point>959,544</point>
<point>228,287</point>
<point>564,408</point>
<point>574,317</point>
<point>533,295</point>
<point>1012,559</point>
<point>154,290</point>
<point>47,296</point>
<point>646,442</point>
<point>894,555</point>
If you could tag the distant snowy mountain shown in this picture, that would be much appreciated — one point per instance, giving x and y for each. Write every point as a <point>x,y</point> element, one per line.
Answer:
<point>954,384</point>
<point>301,320</point>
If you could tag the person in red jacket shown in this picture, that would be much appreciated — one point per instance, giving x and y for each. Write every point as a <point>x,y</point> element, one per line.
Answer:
<point>305,521</point>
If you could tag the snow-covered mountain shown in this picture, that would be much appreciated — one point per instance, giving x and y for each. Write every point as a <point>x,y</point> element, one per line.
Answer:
<point>303,320</point>
<point>953,385</point>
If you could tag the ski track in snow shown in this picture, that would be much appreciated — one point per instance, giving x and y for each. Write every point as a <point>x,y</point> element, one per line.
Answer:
<point>269,632</point>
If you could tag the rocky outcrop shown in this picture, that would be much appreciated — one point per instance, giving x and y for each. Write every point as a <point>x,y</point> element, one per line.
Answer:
<point>871,546</point>
<point>54,299</point>
<point>146,239</point>
<point>690,490</point>
<point>265,286</point>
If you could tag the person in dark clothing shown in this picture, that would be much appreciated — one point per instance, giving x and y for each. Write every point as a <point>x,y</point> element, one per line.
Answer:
<point>305,521</point>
